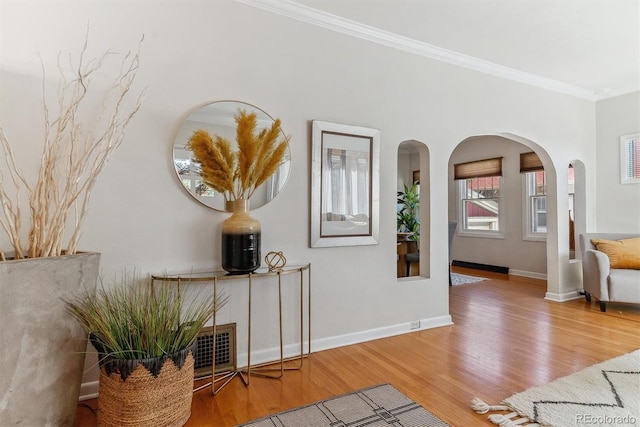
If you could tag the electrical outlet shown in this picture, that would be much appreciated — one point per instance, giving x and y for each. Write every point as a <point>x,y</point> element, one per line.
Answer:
<point>414,324</point>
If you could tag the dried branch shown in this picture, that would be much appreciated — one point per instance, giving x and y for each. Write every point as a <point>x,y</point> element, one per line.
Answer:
<point>72,158</point>
<point>11,224</point>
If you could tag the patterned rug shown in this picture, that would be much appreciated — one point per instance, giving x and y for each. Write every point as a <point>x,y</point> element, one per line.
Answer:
<point>377,406</point>
<point>605,394</point>
<point>463,279</point>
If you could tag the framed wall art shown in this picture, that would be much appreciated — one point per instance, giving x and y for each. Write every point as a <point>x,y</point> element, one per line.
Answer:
<point>345,185</point>
<point>630,159</point>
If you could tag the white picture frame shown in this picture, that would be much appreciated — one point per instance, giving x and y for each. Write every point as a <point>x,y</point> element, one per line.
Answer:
<point>345,185</point>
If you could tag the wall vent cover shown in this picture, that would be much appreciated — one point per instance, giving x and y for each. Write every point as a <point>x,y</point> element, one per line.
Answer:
<point>225,350</point>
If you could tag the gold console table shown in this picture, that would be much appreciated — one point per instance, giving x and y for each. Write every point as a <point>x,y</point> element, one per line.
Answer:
<point>220,276</point>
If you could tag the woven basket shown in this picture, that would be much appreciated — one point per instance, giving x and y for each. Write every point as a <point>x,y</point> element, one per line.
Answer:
<point>145,400</point>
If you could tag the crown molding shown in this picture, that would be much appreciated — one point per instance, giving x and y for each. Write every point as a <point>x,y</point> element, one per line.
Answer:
<point>612,93</point>
<point>339,24</point>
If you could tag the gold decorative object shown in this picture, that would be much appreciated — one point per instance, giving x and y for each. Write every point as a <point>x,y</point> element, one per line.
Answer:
<point>275,261</point>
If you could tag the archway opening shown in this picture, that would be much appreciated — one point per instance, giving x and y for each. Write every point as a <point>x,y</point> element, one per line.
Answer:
<point>519,208</point>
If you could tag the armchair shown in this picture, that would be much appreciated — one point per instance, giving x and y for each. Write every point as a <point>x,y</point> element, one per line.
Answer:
<point>604,282</point>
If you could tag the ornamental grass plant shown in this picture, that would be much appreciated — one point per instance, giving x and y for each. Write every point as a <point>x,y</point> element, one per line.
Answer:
<point>135,320</point>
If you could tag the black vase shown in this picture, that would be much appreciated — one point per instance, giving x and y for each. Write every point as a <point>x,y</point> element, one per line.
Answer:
<point>240,240</point>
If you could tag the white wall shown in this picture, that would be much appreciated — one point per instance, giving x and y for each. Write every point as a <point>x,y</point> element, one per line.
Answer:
<point>195,52</point>
<point>618,207</point>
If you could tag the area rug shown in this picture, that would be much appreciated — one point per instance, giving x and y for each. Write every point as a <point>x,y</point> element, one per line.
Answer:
<point>605,394</point>
<point>380,405</point>
<point>463,279</point>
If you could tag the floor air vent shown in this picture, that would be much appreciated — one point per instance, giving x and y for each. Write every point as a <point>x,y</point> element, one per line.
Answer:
<point>225,349</point>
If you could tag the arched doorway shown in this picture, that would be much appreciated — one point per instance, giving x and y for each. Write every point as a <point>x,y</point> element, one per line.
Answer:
<point>509,248</point>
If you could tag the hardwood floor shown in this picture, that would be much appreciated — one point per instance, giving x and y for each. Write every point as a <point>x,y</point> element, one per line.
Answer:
<point>506,338</point>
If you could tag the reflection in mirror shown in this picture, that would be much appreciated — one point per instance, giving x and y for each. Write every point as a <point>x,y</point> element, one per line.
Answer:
<point>408,205</point>
<point>412,212</point>
<point>571,184</point>
<point>345,185</point>
<point>345,173</point>
<point>218,118</point>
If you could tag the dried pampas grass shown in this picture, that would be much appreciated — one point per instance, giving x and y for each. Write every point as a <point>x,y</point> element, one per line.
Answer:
<point>73,156</point>
<point>217,160</point>
<point>238,174</point>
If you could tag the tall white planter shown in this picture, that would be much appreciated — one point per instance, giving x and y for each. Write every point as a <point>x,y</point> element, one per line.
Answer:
<point>42,347</point>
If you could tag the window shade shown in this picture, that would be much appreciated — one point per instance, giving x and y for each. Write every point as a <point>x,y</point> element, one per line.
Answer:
<point>530,162</point>
<point>478,168</point>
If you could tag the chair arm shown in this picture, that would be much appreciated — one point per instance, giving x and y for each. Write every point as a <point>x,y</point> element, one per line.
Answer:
<point>595,271</point>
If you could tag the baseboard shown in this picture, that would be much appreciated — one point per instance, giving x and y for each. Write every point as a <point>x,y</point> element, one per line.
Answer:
<point>530,274</point>
<point>373,334</point>
<point>271,354</point>
<point>434,322</point>
<point>90,390</point>
<point>484,267</point>
<point>567,296</point>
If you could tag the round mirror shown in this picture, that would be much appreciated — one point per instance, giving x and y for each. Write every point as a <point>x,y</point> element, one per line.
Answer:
<point>218,118</point>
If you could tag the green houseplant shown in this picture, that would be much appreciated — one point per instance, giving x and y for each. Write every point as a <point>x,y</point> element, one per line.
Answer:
<point>41,213</point>
<point>144,334</point>
<point>407,217</point>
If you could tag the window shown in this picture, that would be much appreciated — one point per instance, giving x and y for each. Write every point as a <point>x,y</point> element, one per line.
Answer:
<point>479,196</point>
<point>480,203</point>
<point>346,174</point>
<point>536,204</point>
<point>535,199</point>
<point>630,159</point>
<point>190,177</point>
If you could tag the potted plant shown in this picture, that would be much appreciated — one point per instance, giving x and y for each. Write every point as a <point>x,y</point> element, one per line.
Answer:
<point>144,334</point>
<point>408,223</point>
<point>41,346</point>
